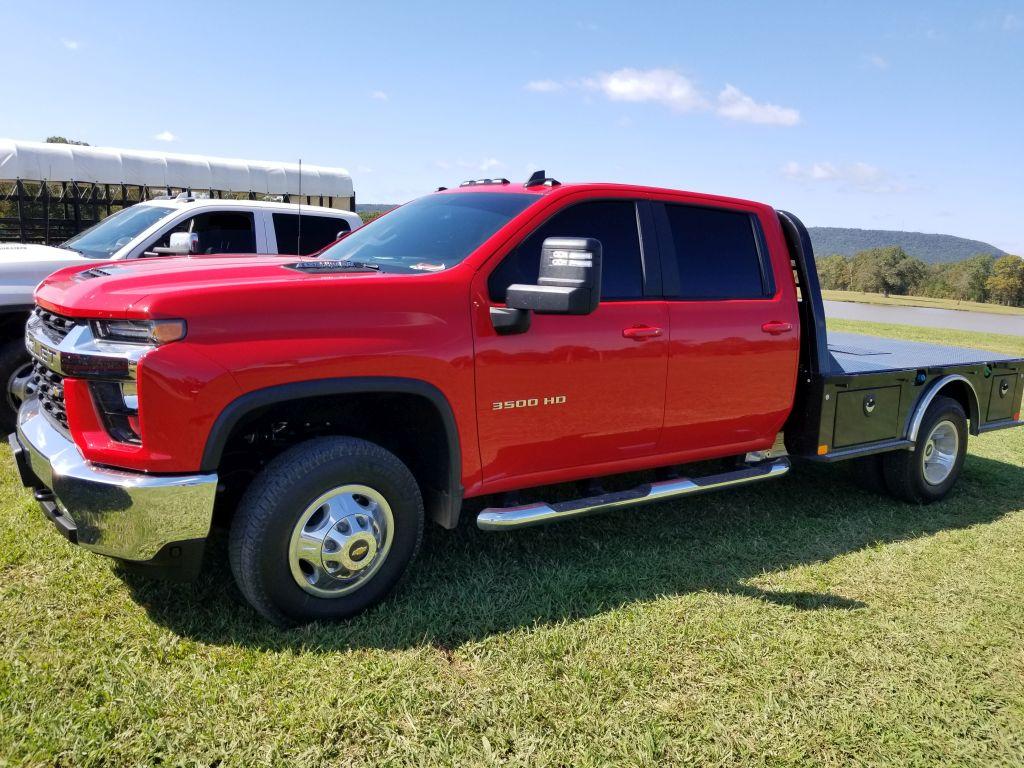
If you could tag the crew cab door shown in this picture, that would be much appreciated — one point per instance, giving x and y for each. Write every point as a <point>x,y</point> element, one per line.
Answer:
<point>734,343</point>
<point>574,391</point>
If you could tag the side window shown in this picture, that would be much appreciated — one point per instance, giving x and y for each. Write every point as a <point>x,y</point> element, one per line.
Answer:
<point>613,222</point>
<point>717,253</point>
<point>219,232</point>
<point>317,232</point>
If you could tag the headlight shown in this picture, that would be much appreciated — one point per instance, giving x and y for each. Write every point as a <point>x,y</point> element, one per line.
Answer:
<point>140,331</point>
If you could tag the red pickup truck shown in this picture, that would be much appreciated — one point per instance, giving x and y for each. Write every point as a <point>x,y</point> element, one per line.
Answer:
<point>479,341</point>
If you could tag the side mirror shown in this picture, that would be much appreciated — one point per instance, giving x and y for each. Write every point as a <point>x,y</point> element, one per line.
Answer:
<point>181,244</point>
<point>569,282</point>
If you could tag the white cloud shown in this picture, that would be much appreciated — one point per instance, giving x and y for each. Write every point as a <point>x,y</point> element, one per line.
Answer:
<point>663,86</point>
<point>1011,22</point>
<point>544,86</point>
<point>859,176</point>
<point>165,136</point>
<point>71,45</point>
<point>489,163</point>
<point>676,91</point>
<point>379,95</point>
<point>877,61</point>
<point>734,104</point>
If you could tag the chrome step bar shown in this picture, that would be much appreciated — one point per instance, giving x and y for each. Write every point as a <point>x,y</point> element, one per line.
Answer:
<point>506,518</point>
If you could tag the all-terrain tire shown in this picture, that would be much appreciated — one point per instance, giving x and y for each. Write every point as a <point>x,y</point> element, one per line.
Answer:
<point>905,471</point>
<point>272,507</point>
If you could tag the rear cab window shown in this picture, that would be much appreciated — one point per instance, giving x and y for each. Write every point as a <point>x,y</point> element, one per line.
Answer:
<point>713,253</point>
<point>315,233</point>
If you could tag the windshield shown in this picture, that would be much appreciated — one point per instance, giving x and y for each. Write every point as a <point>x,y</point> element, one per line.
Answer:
<point>430,234</point>
<point>102,240</point>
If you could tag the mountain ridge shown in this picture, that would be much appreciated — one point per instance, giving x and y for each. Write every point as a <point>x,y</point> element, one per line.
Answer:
<point>930,248</point>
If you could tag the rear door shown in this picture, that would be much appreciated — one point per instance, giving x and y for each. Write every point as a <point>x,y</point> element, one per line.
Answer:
<point>308,235</point>
<point>574,391</point>
<point>734,343</point>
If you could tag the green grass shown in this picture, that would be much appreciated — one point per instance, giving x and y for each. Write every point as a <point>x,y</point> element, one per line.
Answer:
<point>804,622</point>
<point>921,301</point>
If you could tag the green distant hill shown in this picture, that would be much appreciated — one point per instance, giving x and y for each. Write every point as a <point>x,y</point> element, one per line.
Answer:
<point>933,249</point>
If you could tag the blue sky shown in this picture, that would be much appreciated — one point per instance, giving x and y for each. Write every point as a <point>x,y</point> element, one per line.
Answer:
<point>879,115</point>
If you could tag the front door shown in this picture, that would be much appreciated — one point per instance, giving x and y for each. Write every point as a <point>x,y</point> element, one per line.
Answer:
<point>573,391</point>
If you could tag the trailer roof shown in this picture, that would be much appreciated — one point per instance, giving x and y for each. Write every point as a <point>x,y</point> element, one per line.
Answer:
<point>38,161</point>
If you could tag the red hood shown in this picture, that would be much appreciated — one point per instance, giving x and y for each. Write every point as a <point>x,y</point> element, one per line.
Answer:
<point>135,288</point>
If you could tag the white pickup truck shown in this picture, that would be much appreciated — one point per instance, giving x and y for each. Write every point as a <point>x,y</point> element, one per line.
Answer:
<point>173,227</point>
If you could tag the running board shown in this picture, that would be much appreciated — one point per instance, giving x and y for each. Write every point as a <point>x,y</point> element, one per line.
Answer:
<point>505,518</point>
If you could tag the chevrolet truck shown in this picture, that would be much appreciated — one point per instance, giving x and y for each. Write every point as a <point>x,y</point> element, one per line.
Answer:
<point>499,341</point>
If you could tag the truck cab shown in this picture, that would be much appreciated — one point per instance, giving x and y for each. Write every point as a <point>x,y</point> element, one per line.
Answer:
<point>144,230</point>
<point>605,345</point>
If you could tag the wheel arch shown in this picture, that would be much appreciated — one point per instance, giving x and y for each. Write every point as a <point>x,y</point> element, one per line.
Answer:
<point>444,508</point>
<point>955,386</point>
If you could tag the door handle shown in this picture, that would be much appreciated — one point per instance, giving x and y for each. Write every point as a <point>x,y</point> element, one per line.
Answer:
<point>641,332</point>
<point>776,327</point>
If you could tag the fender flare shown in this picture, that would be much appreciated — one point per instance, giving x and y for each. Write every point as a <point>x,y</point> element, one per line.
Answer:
<point>246,404</point>
<point>974,407</point>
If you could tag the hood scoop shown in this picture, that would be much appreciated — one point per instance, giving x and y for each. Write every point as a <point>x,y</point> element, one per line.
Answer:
<point>331,267</point>
<point>89,274</point>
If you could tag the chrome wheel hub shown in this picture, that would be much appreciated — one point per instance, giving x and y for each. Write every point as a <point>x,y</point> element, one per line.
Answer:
<point>940,452</point>
<point>17,386</point>
<point>340,541</point>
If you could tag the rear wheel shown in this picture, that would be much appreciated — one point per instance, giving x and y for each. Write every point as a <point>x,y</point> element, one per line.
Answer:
<point>15,369</point>
<point>325,531</point>
<point>929,472</point>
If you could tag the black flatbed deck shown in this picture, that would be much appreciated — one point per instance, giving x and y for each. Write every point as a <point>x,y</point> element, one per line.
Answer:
<point>854,353</point>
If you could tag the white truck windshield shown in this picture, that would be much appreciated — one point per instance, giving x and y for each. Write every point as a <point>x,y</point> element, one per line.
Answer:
<point>102,240</point>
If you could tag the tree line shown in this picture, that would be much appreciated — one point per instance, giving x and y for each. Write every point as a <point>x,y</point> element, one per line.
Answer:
<point>891,270</point>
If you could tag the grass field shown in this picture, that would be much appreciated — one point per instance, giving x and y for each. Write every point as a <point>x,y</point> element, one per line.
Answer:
<point>805,622</point>
<point>920,301</point>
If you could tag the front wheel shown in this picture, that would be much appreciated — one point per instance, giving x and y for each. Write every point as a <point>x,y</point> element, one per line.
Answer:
<point>325,531</point>
<point>929,472</point>
<point>15,371</point>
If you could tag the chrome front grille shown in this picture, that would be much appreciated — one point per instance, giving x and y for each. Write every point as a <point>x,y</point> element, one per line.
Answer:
<point>55,327</point>
<point>48,386</point>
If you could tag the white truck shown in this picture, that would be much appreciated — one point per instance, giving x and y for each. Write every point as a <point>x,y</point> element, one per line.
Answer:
<point>180,226</point>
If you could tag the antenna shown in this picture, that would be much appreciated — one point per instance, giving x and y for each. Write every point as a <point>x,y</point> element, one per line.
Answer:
<point>298,237</point>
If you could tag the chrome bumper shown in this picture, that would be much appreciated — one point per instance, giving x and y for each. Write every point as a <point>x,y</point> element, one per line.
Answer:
<point>127,515</point>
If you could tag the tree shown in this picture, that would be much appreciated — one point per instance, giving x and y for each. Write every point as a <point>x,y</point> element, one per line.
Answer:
<point>834,273</point>
<point>968,278</point>
<point>63,140</point>
<point>1006,283</point>
<point>886,270</point>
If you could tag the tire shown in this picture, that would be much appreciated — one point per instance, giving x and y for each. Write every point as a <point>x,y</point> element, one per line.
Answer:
<point>869,473</point>
<point>914,476</point>
<point>14,363</point>
<point>315,511</point>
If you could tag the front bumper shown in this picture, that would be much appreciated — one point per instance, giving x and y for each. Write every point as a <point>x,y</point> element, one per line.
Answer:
<point>160,520</point>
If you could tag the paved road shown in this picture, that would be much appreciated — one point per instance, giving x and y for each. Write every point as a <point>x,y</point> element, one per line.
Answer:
<point>928,317</point>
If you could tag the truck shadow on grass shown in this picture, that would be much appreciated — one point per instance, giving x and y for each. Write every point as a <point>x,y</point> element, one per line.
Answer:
<point>467,584</point>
